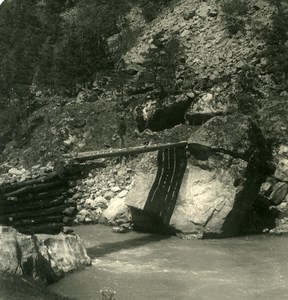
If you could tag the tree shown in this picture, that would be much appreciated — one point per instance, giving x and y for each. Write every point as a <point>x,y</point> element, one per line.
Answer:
<point>276,38</point>
<point>161,63</point>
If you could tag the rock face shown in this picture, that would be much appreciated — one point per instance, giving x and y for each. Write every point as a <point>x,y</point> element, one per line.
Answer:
<point>42,257</point>
<point>275,191</point>
<point>205,40</point>
<point>204,109</point>
<point>157,117</point>
<point>219,186</point>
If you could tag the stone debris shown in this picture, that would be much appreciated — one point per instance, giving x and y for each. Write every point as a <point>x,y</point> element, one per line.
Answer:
<point>100,198</point>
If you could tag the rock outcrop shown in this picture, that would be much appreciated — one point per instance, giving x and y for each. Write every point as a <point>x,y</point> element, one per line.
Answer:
<point>219,186</point>
<point>211,60</point>
<point>43,257</point>
<point>274,191</point>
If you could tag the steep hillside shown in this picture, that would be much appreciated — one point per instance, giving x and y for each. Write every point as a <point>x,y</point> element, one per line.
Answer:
<point>222,68</point>
<point>172,63</point>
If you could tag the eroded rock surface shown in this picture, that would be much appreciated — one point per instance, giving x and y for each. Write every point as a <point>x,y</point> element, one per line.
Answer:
<point>44,257</point>
<point>274,191</point>
<point>220,184</point>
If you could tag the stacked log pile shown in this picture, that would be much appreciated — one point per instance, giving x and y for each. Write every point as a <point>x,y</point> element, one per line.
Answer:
<point>37,204</point>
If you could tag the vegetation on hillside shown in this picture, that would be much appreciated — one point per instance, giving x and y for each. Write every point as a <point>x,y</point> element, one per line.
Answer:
<point>273,58</point>
<point>161,64</point>
<point>234,12</point>
<point>53,49</point>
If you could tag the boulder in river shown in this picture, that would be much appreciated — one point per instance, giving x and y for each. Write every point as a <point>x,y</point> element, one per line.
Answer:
<point>217,184</point>
<point>42,256</point>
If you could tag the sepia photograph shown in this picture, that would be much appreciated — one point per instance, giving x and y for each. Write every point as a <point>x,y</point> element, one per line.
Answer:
<point>143,149</point>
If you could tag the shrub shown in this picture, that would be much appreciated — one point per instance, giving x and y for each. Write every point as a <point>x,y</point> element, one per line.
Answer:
<point>245,102</point>
<point>150,9</point>
<point>234,11</point>
<point>161,63</point>
<point>276,37</point>
<point>246,96</point>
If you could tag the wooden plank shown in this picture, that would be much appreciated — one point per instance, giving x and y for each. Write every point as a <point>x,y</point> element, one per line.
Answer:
<point>34,189</point>
<point>83,156</point>
<point>32,197</point>
<point>32,213</point>
<point>28,206</point>
<point>15,186</point>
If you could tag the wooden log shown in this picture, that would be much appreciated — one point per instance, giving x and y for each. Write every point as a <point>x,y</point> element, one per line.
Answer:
<point>32,197</point>
<point>33,213</point>
<point>43,179</point>
<point>34,189</point>
<point>83,156</point>
<point>53,228</point>
<point>38,220</point>
<point>21,207</point>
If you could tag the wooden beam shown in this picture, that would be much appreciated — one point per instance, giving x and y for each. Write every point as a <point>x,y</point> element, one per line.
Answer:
<point>83,156</point>
<point>20,207</point>
<point>35,189</point>
<point>55,211</point>
<point>48,195</point>
<point>6,188</point>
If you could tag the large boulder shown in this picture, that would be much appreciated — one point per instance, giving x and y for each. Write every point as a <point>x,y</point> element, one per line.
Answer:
<point>207,107</point>
<point>159,116</point>
<point>219,183</point>
<point>44,257</point>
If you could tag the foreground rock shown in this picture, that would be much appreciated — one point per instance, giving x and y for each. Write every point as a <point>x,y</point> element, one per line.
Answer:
<point>219,187</point>
<point>43,257</point>
<point>14,287</point>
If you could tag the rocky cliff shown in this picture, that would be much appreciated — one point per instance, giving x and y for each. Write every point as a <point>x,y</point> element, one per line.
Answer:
<point>212,59</point>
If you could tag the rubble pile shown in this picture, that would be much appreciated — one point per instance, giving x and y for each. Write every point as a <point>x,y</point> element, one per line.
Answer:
<point>100,197</point>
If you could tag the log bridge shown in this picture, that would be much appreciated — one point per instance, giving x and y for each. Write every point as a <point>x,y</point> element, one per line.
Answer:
<point>84,156</point>
<point>162,197</point>
<point>40,205</point>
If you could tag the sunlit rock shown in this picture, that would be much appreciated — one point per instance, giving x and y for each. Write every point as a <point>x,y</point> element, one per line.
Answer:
<point>219,185</point>
<point>44,257</point>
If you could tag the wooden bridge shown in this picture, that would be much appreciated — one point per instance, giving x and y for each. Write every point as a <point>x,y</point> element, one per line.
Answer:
<point>162,194</point>
<point>83,156</point>
<point>38,205</point>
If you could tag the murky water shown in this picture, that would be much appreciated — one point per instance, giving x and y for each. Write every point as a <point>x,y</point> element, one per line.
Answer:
<point>143,266</point>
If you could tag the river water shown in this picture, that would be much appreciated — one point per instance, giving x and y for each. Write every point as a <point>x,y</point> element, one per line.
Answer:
<point>154,267</point>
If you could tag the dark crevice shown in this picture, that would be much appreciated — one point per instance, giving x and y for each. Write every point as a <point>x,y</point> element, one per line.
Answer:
<point>165,117</point>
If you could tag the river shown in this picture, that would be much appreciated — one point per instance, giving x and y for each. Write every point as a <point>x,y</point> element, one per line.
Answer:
<point>154,267</point>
